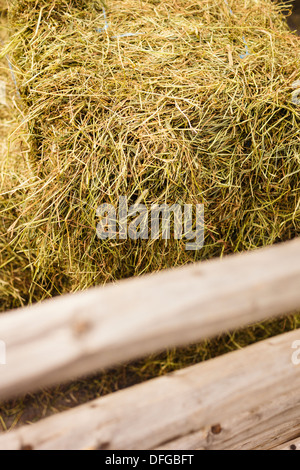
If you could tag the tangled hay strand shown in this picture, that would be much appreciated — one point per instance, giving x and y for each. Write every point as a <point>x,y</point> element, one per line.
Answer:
<point>15,279</point>
<point>177,101</point>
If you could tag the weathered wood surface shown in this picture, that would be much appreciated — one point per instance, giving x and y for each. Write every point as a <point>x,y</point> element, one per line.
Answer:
<point>200,398</point>
<point>290,445</point>
<point>261,428</point>
<point>78,334</point>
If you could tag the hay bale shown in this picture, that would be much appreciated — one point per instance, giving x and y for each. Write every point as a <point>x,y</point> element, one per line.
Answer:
<point>15,279</point>
<point>103,121</point>
<point>176,100</point>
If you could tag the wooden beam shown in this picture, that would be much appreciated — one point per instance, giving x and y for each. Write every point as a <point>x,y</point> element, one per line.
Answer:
<point>199,398</point>
<point>261,428</point>
<point>79,334</point>
<point>291,445</point>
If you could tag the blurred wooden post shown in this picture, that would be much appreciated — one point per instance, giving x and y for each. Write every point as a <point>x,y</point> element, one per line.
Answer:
<point>79,334</point>
<point>243,399</point>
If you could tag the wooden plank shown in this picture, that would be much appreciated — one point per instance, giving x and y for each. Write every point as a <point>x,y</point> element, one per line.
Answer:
<point>195,399</point>
<point>290,445</point>
<point>261,428</point>
<point>78,334</point>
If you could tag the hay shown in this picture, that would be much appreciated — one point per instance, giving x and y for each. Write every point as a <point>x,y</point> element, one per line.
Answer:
<point>173,114</point>
<point>192,105</point>
<point>15,279</point>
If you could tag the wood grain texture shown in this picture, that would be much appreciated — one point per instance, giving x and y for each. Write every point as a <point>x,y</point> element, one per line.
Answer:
<point>79,334</point>
<point>290,445</point>
<point>198,399</point>
<point>261,428</point>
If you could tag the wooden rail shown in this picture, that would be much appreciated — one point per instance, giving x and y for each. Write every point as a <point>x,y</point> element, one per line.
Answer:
<point>226,401</point>
<point>247,399</point>
<point>79,334</point>
<point>292,445</point>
